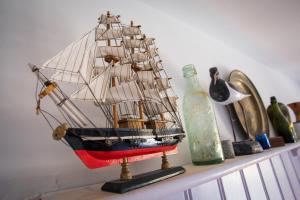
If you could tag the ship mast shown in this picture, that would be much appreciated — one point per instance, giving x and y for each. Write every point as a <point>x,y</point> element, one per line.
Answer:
<point>113,84</point>
<point>140,103</point>
<point>155,123</point>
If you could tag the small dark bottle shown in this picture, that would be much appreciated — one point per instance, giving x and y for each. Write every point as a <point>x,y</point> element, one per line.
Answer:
<point>280,119</point>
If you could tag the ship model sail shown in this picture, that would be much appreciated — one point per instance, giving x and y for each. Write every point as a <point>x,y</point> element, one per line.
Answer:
<point>117,70</point>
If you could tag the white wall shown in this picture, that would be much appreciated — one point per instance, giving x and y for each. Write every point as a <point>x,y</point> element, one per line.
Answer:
<point>30,161</point>
<point>266,30</point>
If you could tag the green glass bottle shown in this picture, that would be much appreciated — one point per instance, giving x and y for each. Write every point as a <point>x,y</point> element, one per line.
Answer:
<point>280,119</point>
<point>202,131</point>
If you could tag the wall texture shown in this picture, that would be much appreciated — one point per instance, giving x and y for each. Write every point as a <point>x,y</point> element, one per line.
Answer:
<point>31,162</point>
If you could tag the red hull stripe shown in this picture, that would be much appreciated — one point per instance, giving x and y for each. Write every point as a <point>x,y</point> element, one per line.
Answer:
<point>97,159</point>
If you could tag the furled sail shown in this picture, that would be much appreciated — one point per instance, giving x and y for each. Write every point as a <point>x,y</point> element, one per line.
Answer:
<point>133,43</point>
<point>106,34</point>
<point>131,31</point>
<point>122,72</point>
<point>152,52</point>
<point>146,77</point>
<point>149,41</point>
<point>152,95</point>
<point>108,19</point>
<point>147,65</point>
<point>75,62</point>
<point>163,83</point>
<point>103,51</point>
<point>138,43</point>
<point>139,57</point>
<point>96,89</point>
<point>151,65</point>
<point>125,92</point>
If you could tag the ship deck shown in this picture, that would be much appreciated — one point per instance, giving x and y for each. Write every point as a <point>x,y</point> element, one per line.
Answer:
<point>123,132</point>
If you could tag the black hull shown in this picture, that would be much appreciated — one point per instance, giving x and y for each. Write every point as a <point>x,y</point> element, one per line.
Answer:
<point>98,153</point>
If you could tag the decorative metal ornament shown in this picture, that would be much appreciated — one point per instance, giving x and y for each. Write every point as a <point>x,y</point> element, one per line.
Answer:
<point>251,111</point>
<point>223,93</point>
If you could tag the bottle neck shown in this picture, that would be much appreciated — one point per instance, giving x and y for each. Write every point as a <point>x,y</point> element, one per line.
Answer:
<point>274,103</point>
<point>192,83</point>
<point>275,107</point>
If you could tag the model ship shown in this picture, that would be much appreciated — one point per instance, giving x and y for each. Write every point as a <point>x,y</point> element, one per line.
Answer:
<point>117,70</point>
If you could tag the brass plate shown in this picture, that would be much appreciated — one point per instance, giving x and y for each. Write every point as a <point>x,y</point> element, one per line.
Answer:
<point>255,111</point>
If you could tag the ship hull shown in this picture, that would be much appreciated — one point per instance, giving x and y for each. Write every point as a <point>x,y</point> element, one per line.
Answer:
<point>96,153</point>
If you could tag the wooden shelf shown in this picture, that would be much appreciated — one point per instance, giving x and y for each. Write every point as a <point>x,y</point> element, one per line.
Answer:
<point>194,176</point>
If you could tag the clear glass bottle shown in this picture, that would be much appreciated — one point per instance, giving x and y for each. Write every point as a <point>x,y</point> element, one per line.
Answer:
<point>202,131</point>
